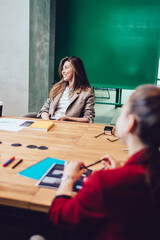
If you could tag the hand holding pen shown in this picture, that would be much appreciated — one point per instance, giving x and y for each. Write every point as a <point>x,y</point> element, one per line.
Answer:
<point>108,162</point>
<point>74,170</point>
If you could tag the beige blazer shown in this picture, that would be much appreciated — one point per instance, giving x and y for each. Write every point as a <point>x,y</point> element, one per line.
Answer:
<point>81,104</point>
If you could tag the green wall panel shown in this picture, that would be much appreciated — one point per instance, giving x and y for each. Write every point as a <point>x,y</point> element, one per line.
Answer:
<point>117,40</point>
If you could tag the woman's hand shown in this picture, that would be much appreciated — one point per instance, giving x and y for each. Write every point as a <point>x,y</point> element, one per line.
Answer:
<point>63,118</point>
<point>73,170</point>
<point>108,161</point>
<point>45,116</point>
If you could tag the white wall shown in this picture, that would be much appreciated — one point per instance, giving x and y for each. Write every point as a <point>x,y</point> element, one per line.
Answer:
<point>14,56</point>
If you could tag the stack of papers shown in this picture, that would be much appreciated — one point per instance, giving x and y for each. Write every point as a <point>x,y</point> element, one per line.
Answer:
<point>11,124</point>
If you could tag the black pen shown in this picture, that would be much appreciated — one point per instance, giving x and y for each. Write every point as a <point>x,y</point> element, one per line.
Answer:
<point>92,164</point>
<point>17,163</point>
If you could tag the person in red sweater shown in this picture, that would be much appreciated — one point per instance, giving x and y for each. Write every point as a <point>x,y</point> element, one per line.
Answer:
<point>119,203</point>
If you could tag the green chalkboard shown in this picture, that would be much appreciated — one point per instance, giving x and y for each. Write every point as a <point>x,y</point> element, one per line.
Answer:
<point>118,40</point>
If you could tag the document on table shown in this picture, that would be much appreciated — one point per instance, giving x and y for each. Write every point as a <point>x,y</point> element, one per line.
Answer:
<point>52,177</point>
<point>37,170</point>
<point>11,124</point>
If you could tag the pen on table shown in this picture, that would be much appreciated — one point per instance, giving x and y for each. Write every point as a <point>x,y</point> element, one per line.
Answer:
<point>8,162</point>
<point>99,134</point>
<point>125,149</point>
<point>17,163</point>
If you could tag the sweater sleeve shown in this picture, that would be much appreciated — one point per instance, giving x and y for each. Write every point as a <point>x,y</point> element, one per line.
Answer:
<point>86,207</point>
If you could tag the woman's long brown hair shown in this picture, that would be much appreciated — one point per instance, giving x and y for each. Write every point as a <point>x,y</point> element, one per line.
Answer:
<point>79,82</point>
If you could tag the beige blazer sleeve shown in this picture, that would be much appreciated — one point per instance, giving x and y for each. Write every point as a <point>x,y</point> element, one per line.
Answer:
<point>50,106</point>
<point>45,107</point>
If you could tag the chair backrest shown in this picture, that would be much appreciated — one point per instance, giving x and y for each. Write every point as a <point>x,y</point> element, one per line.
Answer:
<point>1,107</point>
<point>30,115</point>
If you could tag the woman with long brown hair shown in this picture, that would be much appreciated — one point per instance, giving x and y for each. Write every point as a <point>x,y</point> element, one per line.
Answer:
<point>119,203</point>
<point>72,97</point>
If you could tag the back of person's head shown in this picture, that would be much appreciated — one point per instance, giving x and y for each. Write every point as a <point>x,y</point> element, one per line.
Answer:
<point>144,104</point>
<point>80,80</point>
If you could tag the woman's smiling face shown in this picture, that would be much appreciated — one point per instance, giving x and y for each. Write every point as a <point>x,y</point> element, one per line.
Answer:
<point>67,71</point>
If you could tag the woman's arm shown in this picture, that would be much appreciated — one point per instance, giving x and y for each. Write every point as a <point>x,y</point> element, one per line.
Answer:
<point>72,172</point>
<point>87,204</point>
<point>89,111</point>
<point>45,110</point>
<point>75,119</point>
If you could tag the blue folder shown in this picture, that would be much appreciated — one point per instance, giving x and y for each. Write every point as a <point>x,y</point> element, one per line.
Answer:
<point>37,170</point>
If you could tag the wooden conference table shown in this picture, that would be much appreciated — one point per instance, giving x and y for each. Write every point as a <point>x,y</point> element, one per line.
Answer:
<point>67,141</point>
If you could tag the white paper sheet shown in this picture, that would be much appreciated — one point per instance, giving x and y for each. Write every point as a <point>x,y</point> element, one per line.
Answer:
<point>11,124</point>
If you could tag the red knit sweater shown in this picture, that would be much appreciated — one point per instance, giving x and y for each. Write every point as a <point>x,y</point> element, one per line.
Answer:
<point>114,204</point>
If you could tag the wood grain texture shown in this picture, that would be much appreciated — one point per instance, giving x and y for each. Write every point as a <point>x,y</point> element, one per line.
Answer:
<point>69,141</point>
